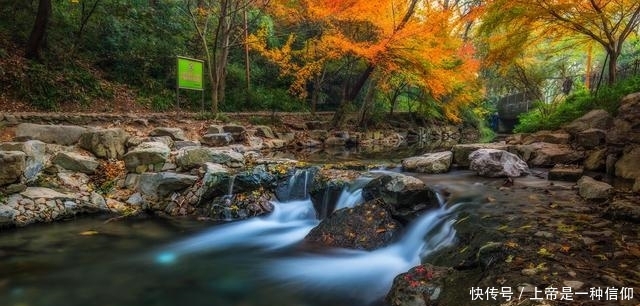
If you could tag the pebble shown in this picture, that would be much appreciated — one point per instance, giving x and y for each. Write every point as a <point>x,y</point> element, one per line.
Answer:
<point>575,285</point>
<point>543,234</point>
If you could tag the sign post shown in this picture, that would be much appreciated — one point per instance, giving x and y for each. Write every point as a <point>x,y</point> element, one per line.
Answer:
<point>189,77</point>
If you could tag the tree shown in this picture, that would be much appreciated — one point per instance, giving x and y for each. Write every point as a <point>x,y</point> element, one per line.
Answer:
<point>607,22</point>
<point>219,25</point>
<point>417,38</point>
<point>38,34</point>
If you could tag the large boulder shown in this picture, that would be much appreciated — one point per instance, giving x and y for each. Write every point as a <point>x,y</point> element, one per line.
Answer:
<point>176,134</point>
<point>13,165</point>
<point>461,151</point>
<point>217,140</point>
<point>193,157</point>
<point>626,125</point>
<point>105,143</point>
<point>35,156</point>
<point>548,154</point>
<point>76,162</point>
<point>367,227</point>
<point>596,119</point>
<point>237,131</point>
<point>405,195</point>
<point>591,138</point>
<point>497,163</point>
<point>628,166</point>
<point>65,135</point>
<point>547,136</point>
<point>146,156</point>
<point>439,162</point>
<point>159,185</point>
<point>590,189</point>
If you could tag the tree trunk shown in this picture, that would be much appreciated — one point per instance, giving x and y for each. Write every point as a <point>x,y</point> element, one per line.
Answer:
<point>38,34</point>
<point>613,67</point>
<point>339,115</point>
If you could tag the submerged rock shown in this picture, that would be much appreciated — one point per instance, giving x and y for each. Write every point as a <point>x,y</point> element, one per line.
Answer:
<point>497,163</point>
<point>624,209</point>
<point>368,226</point>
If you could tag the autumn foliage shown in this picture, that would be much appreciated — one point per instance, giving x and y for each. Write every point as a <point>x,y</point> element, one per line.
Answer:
<point>421,41</point>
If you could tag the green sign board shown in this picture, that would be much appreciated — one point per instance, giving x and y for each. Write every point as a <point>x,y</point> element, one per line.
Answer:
<point>190,73</point>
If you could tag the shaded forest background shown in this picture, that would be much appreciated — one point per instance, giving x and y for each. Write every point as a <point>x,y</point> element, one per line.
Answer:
<point>109,55</point>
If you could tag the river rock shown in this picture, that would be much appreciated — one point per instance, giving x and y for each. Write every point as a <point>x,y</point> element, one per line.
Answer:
<point>215,129</point>
<point>145,156</point>
<point>76,180</point>
<point>626,125</point>
<point>217,140</point>
<point>253,179</point>
<point>461,151</point>
<point>597,119</point>
<point>628,166</point>
<point>497,163</point>
<point>368,226</point>
<point>548,154</point>
<point>176,134</point>
<point>591,138</point>
<point>105,143</point>
<point>6,215</point>
<point>548,137</point>
<point>241,206</point>
<point>420,286</point>
<point>13,166</point>
<point>159,185</point>
<point>238,132</point>
<point>183,144</point>
<point>590,189</point>
<point>193,157</point>
<point>44,193</point>
<point>595,160</point>
<point>66,135</point>
<point>406,195</point>
<point>565,173</point>
<point>35,157</point>
<point>624,209</point>
<point>439,162</point>
<point>76,162</point>
<point>264,131</point>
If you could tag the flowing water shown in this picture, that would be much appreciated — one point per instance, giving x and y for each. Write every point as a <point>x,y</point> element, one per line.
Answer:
<point>171,262</point>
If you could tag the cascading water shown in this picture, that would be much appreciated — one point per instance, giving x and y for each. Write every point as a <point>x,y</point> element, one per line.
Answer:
<point>361,275</point>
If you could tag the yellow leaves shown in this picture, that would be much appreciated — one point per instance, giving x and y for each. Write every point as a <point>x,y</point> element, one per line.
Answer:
<point>89,233</point>
<point>544,252</point>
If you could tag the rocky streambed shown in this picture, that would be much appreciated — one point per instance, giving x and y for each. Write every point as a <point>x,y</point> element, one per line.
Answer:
<point>555,210</point>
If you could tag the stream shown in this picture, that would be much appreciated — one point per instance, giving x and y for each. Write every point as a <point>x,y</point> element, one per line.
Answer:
<point>149,260</point>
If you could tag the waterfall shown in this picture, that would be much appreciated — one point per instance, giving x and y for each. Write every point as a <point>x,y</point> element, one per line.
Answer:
<point>368,275</point>
<point>362,275</point>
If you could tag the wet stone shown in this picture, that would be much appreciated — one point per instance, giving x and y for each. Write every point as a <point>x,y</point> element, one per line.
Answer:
<point>566,173</point>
